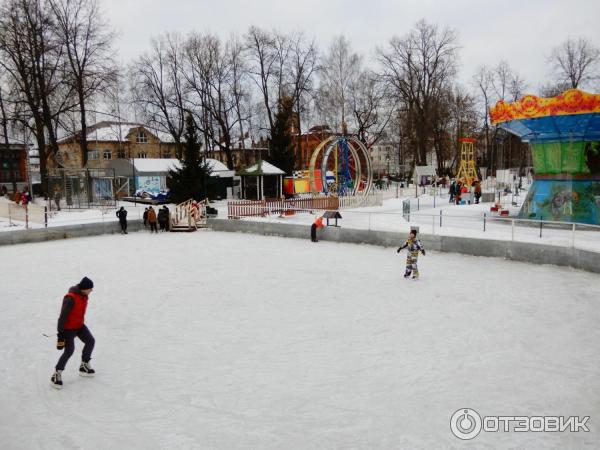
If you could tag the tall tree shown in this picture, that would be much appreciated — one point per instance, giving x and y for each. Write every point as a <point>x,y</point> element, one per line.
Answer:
<point>574,62</point>
<point>418,66</point>
<point>192,180</point>
<point>340,70</point>
<point>32,56</point>
<point>282,153</point>
<point>87,41</point>
<point>158,86</point>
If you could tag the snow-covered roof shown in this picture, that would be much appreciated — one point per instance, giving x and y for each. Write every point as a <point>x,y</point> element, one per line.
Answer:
<point>117,132</point>
<point>262,168</point>
<point>163,165</point>
<point>425,171</point>
<point>156,164</point>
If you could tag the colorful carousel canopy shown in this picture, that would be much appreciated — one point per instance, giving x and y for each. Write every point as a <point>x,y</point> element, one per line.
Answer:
<point>573,115</point>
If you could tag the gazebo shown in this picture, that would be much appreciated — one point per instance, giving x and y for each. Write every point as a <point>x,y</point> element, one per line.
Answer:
<point>262,180</point>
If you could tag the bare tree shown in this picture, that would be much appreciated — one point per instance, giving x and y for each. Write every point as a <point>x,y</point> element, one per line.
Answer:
<point>264,57</point>
<point>340,69</point>
<point>209,75</point>
<point>32,56</point>
<point>483,81</point>
<point>302,70</point>
<point>574,62</point>
<point>87,41</point>
<point>372,107</point>
<point>158,86</point>
<point>417,67</point>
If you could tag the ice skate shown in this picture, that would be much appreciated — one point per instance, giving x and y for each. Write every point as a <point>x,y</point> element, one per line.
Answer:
<point>85,370</point>
<point>56,380</point>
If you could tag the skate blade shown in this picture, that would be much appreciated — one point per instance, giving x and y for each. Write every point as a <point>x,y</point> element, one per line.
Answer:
<point>86,375</point>
<point>56,386</point>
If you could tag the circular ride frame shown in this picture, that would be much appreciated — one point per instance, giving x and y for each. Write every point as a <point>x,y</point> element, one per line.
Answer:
<point>354,146</point>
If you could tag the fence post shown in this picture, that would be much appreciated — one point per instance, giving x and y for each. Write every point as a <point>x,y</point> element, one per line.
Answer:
<point>418,203</point>
<point>433,199</point>
<point>27,217</point>
<point>573,236</point>
<point>369,221</point>
<point>541,224</point>
<point>432,224</point>
<point>512,230</point>
<point>440,218</point>
<point>484,217</point>
<point>45,217</point>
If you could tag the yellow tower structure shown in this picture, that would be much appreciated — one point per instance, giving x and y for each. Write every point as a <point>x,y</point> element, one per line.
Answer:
<point>467,173</point>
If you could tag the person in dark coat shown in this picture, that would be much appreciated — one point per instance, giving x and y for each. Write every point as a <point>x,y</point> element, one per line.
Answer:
<point>162,221</point>
<point>167,218</point>
<point>477,191</point>
<point>145,216</point>
<point>452,191</point>
<point>122,215</point>
<point>71,324</point>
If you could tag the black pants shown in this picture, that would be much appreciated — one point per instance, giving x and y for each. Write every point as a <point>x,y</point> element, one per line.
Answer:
<point>86,337</point>
<point>123,225</point>
<point>313,233</point>
<point>153,227</point>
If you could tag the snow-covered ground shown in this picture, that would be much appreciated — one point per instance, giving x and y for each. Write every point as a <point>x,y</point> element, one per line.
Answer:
<point>236,341</point>
<point>426,212</point>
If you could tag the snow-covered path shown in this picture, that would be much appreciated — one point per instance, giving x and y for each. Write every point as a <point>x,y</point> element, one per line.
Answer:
<point>216,340</point>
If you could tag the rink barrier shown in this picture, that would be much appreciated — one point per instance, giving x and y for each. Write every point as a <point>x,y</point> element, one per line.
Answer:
<point>514,250</point>
<point>66,232</point>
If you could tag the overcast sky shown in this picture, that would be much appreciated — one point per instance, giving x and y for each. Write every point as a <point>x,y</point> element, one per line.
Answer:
<point>522,32</point>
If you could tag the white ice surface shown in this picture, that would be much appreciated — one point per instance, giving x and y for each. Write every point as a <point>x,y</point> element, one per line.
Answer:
<point>227,341</point>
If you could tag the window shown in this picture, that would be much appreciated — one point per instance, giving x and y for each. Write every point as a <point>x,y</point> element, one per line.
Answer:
<point>107,154</point>
<point>167,154</point>
<point>121,154</point>
<point>93,155</point>
<point>141,137</point>
<point>142,155</point>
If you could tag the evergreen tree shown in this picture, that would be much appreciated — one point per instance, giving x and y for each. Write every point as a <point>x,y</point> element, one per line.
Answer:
<point>282,153</point>
<point>193,179</point>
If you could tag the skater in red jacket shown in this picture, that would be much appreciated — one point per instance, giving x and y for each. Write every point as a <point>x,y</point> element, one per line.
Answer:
<point>70,325</point>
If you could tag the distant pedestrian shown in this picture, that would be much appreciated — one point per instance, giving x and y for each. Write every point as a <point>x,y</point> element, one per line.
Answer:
<point>414,247</point>
<point>318,223</point>
<point>17,197</point>
<point>122,215</point>
<point>25,196</point>
<point>167,218</point>
<point>145,216</point>
<point>71,324</point>
<point>477,191</point>
<point>3,191</point>
<point>152,219</point>
<point>162,221</point>
<point>57,197</point>
<point>452,191</point>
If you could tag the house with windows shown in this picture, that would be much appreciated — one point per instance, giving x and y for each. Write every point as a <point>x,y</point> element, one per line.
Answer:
<point>13,165</point>
<point>108,141</point>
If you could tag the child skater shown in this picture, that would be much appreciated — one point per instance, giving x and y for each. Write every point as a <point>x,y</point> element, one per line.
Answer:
<point>414,246</point>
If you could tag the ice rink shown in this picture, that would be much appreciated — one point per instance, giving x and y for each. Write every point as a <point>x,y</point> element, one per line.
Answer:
<point>232,341</point>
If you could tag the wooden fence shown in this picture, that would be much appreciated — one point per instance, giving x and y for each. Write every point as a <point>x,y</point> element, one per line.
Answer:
<point>250,208</point>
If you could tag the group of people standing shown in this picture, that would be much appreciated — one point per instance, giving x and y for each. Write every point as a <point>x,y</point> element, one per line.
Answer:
<point>458,188</point>
<point>162,218</point>
<point>20,198</point>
